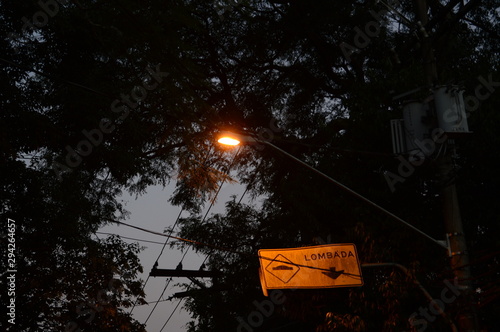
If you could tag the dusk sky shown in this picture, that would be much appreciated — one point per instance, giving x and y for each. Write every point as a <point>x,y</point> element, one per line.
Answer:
<point>152,211</point>
<point>317,165</point>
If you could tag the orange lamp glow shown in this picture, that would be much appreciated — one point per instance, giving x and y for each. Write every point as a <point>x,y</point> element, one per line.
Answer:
<point>226,140</point>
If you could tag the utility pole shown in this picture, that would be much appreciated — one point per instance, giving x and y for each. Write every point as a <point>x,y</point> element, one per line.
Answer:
<point>459,256</point>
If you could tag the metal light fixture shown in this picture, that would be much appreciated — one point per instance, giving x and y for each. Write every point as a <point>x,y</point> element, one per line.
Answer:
<point>232,139</point>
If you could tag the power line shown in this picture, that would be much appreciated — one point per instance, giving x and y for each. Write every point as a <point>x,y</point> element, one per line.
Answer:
<point>166,241</point>
<point>182,259</point>
<point>169,236</point>
<point>212,203</point>
<point>222,248</point>
<point>214,247</point>
<point>202,264</point>
<point>129,238</point>
<point>26,69</point>
<point>161,295</point>
<point>170,317</point>
<point>206,214</point>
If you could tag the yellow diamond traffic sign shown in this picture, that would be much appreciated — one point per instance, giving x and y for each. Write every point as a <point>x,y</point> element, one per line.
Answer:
<point>326,266</point>
<point>282,268</point>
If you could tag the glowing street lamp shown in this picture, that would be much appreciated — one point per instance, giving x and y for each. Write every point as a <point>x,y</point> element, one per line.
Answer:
<point>228,141</point>
<point>232,139</point>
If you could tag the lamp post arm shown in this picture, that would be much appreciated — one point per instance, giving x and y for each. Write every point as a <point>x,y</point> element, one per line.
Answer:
<point>361,197</point>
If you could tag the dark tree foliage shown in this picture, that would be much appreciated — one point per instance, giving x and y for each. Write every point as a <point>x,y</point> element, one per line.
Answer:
<point>98,97</point>
<point>334,114</point>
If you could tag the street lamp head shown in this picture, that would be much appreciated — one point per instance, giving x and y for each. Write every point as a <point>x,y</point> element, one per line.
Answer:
<point>226,140</point>
<point>232,139</point>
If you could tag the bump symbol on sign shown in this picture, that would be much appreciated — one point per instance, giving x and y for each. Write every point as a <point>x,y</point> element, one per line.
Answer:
<point>333,273</point>
<point>282,268</point>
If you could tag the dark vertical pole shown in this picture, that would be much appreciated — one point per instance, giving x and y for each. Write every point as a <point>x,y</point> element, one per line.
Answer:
<point>459,259</point>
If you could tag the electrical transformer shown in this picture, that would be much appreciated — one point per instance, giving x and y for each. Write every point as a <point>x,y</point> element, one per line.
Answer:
<point>450,110</point>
